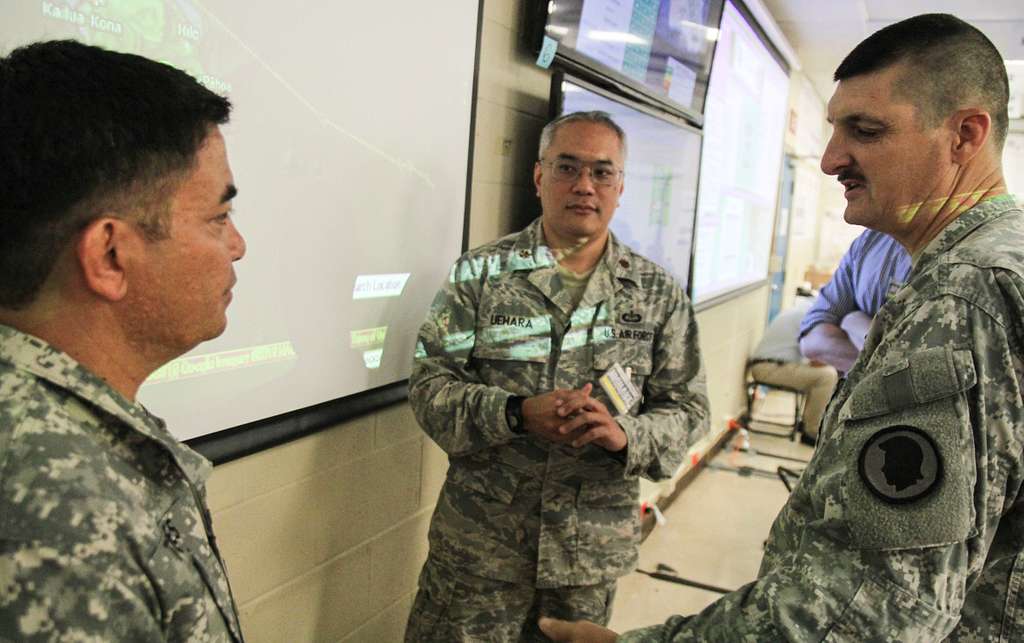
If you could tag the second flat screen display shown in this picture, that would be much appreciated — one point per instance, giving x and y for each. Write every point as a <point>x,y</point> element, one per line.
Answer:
<point>657,208</point>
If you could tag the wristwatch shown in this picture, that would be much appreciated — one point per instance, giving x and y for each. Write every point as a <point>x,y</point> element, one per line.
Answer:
<point>514,413</point>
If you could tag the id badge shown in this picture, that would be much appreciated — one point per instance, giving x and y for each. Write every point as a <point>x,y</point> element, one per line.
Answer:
<point>619,388</point>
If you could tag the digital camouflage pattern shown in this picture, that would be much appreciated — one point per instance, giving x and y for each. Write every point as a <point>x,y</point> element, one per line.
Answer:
<point>519,508</point>
<point>465,607</point>
<point>103,519</point>
<point>843,563</point>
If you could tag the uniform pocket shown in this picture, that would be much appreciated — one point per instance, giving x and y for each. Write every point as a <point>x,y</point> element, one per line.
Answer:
<point>907,438</point>
<point>436,589</point>
<point>512,351</point>
<point>634,354</point>
<point>494,483</point>
<point>608,493</point>
<point>608,525</point>
<point>509,332</point>
<point>185,559</point>
<point>886,611</point>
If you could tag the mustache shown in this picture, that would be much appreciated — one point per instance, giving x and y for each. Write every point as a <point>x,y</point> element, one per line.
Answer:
<point>850,174</point>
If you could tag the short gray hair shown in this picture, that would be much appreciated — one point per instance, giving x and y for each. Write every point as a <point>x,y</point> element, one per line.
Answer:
<point>601,118</point>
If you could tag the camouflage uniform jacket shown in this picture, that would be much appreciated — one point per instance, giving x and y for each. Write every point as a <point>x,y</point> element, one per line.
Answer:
<point>519,508</point>
<point>908,524</point>
<point>104,530</point>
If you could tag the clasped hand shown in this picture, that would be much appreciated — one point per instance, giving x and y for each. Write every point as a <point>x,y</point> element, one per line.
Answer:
<point>572,416</point>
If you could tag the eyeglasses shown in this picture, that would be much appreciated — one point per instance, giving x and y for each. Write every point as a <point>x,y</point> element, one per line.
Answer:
<point>567,170</point>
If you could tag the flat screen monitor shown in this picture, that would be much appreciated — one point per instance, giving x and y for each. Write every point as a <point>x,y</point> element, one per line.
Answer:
<point>656,212</point>
<point>659,48</point>
<point>741,164</point>
<point>349,143</point>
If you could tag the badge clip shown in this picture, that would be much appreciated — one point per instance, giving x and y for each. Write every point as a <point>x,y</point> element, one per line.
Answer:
<point>619,388</point>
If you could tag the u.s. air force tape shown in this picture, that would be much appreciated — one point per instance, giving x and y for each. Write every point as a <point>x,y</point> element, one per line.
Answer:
<point>900,464</point>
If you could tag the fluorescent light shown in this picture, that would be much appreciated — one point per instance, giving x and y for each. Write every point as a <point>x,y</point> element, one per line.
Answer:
<point>617,36</point>
<point>710,33</point>
<point>552,7</point>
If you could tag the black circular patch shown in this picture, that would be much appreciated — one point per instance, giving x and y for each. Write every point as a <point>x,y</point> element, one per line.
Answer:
<point>900,464</point>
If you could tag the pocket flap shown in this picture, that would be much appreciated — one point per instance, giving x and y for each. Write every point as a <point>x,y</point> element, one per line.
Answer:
<point>499,483</point>
<point>926,376</point>
<point>635,355</point>
<point>608,493</point>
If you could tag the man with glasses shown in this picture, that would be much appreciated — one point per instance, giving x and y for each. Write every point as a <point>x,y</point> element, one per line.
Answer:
<point>555,367</point>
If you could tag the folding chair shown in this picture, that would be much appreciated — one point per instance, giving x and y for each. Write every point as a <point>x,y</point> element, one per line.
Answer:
<point>795,427</point>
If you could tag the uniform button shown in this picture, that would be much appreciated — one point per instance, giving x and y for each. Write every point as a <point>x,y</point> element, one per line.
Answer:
<point>623,263</point>
<point>524,253</point>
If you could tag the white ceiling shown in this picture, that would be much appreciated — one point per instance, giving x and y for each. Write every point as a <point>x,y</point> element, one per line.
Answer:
<point>822,32</point>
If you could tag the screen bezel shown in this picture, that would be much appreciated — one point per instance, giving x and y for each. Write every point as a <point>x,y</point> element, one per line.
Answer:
<point>581,65</point>
<point>739,290</point>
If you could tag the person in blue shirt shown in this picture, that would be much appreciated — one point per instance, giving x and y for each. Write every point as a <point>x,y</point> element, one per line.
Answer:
<point>832,332</point>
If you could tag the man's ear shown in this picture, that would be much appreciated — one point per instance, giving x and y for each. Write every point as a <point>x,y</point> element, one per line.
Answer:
<point>101,251</point>
<point>973,127</point>
<point>537,171</point>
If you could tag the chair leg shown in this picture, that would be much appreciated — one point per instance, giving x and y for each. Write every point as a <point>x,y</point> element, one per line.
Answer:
<point>795,428</point>
<point>797,412</point>
<point>749,415</point>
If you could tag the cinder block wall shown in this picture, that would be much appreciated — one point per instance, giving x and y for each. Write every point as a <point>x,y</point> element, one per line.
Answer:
<point>324,536</point>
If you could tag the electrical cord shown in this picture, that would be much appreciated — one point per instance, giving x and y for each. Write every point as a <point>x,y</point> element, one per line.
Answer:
<point>666,573</point>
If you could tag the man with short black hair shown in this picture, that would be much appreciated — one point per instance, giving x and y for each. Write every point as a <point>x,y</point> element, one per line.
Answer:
<point>116,249</point>
<point>539,512</point>
<point>933,552</point>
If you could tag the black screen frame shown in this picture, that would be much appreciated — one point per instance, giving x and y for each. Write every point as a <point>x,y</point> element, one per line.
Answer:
<point>776,55</point>
<point>581,65</point>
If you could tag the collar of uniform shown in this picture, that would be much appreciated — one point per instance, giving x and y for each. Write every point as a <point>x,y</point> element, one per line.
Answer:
<point>29,353</point>
<point>963,225</point>
<point>621,262</point>
<point>529,251</point>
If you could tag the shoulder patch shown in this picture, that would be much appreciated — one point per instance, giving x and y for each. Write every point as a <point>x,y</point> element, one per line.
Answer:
<point>900,464</point>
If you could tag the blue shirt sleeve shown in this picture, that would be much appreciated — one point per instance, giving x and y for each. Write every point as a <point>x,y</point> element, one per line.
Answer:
<point>837,297</point>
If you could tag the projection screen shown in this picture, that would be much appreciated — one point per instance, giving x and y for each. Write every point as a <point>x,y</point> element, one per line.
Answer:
<point>349,143</point>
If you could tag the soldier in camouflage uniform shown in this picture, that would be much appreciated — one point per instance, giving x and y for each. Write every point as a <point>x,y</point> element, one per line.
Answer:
<point>539,512</point>
<point>908,525</point>
<point>116,250</point>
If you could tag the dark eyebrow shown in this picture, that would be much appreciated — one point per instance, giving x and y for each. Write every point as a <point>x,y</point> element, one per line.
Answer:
<point>230,192</point>
<point>854,120</point>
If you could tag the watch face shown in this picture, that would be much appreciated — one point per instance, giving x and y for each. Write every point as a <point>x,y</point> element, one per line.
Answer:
<point>514,414</point>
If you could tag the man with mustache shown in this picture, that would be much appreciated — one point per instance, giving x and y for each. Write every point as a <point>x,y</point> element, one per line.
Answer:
<point>539,512</point>
<point>861,551</point>
<point>116,250</point>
